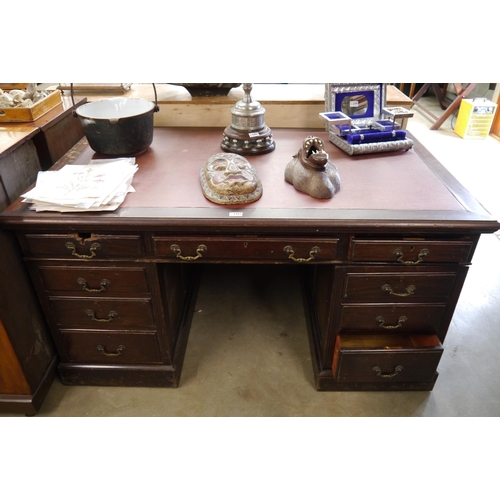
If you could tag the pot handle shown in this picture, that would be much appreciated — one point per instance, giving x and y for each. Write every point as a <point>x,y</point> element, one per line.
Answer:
<point>73,100</point>
<point>155,109</point>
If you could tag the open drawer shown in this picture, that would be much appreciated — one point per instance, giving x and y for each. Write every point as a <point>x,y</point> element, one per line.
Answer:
<point>386,358</point>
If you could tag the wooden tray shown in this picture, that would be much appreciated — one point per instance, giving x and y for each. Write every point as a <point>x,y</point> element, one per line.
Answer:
<point>12,86</point>
<point>33,112</point>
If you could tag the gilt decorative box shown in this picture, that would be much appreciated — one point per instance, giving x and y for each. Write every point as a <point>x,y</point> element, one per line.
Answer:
<point>359,122</point>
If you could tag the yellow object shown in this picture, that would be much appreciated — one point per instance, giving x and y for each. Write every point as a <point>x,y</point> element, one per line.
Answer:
<point>475,117</point>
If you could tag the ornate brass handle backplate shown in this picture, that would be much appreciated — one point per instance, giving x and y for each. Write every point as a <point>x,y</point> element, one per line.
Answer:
<point>93,247</point>
<point>290,251</point>
<point>399,253</point>
<point>199,250</point>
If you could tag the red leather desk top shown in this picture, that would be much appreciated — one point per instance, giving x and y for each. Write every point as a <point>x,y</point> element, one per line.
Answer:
<point>169,171</point>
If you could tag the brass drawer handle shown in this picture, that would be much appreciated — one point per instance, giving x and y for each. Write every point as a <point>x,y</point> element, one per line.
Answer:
<point>104,283</point>
<point>199,250</point>
<point>103,350</point>
<point>399,253</point>
<point>290,251</point>
<point>410,290</point>
<point>401,320</point>
<point>387,375</point>
<point>111,316</point>
<point>93,247</point>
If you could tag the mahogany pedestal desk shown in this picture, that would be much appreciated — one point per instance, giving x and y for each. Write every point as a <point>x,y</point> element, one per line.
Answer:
<point>382,264</point>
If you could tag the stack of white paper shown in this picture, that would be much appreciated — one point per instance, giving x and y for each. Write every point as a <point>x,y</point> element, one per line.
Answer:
<point>100,185</point>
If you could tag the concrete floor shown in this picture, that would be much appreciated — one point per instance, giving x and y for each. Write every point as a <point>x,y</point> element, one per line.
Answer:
<point>248,352</point>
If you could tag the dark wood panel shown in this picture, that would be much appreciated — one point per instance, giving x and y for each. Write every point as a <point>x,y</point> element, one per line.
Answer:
<point>400,286</point>
<point>111,347</point>
<point>56,138</point>
<point>246,248</point>
<point>21,314</point>
<point>410,252</point>
<point>92,280</point>
<point>380,359</point>
<point>426,318</point>
<point>103,313</point>
<point>84,245</point>
<point>18,170</point>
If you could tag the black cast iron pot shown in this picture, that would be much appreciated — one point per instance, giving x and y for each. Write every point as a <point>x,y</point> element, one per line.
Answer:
<point>118,126</point>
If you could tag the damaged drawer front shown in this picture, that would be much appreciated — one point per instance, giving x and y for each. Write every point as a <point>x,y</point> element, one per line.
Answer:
<point>83,247</point>
<point>410,253</point>
<point>386,358</point>
<point>111,347</point>
<point>300,250</point>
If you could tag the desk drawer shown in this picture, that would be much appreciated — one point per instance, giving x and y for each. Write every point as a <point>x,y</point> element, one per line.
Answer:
<point>386,358</point>
<point>94,280</point>
<point>401,286</point>
<point>83,247</point>
<point>111,347</point>
<point>301,250</point>
<point>410,252</point>
<point>103,313</point>
<point>393,318</point>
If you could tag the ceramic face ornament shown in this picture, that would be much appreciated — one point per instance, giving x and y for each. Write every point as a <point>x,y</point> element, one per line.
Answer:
<point>229,179</point>
<point>311,172</point>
